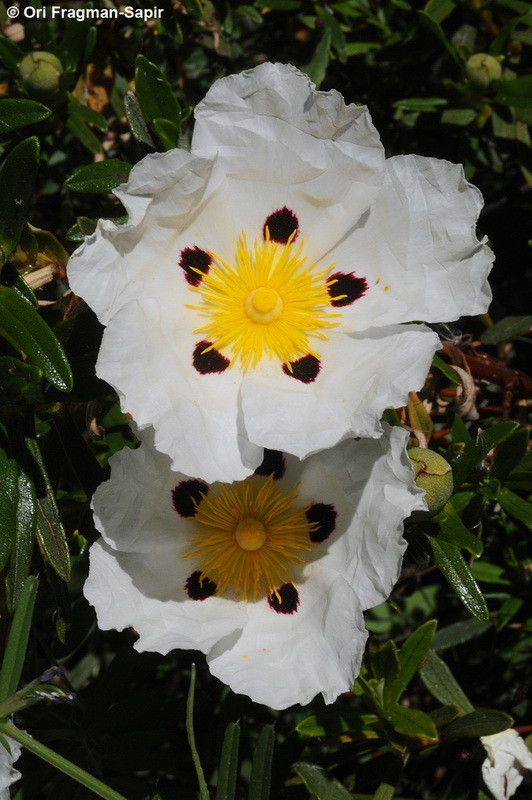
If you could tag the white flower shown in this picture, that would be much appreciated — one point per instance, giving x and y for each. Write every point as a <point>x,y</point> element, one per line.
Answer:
<point>508,757</point>
<point>269,577</point>
<point>8,774</point>
<point>255,296</point>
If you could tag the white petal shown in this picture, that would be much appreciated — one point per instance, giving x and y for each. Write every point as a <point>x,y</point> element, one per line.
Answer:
<point>8,773</point>
<point>360,376</point>
<point>508,757</point>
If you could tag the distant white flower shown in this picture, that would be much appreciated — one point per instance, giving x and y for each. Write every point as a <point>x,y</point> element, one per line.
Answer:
<point>508,757</point>
<point>8,774</point>
<point>269,576</point>
<point>255,296</point>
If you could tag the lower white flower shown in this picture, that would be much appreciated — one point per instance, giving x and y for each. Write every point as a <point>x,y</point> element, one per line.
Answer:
<point>8,773</point>
<point>508,757</point>
<point>268,576</point>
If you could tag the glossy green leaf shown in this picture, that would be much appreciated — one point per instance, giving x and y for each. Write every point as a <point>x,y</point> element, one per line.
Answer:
<point>442,684</point>
<point>99,178</point>
<point>261,767</point>
<point>478,723</point>
<point>15,652</point>
<point>444,715</point>
<point>167,132</point>
<point>474,453</point>
<point>509,453</point>
<point>490,573</point>
<point>321,785</point>
<point>228,770</point>
<point>507,328</point>
<point>517,92</point>
<point>17,179</point>
<point>458,633</point>
<point>21,383</point>
<point>411,722</point>
<point>459,432</point>
<point>446,369</point>
<point>18,113</point>
<point>24,537</point>
<point>156,97</point>
<point>136,121</point>
<point>20,285</point>
<point>24,329</point>
<point>453,531</point>
<point>515,505</point>
<point>8,504</point>
<point>411,655</point>
<point>451,563</point>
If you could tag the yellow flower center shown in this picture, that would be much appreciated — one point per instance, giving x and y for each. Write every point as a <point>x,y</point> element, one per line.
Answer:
<point>248,536</point>
<point>268,304</point>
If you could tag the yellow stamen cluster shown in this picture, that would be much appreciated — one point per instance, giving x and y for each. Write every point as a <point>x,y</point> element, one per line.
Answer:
<point>267,304</point>
<point>248,537</point>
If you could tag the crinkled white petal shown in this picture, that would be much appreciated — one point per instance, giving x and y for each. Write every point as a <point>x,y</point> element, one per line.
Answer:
<point>508,758</point>
<point>8,773</point>
<point>138,571</point>
<point>360,375</point>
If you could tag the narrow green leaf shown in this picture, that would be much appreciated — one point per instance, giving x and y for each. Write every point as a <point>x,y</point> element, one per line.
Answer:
<point>510,453</point>
<point>78,128</point>
<point>475,453</point>
<point>99,178</point>
<point>203,790</point>
<point>507,611</point>
<point>21,383</point>
<point>228,769</point>
<point>478,723</point>
<point>490,573</point>
<point>136,121</point>
<point>156,97</point>
<point>8,505</point>
<point>18,113</point>
<point>453,531</point>
<point>438,10</point>
<point>384,660</point>
<point>17,179</point>
<point>411,722</point>
<point>334,723</point>
<point>24,329</point>
<point>24,537</point>
<point>420,104</point>
<point>167,132</point>
<point>385,792</point>
<point>444,715</point>
<point>515,505</point>
<point>451,563</point>
<point>458,633</point>
<point>317,67</point>
<point>459,432</point>
<point>321,785</point>
<point>442,684</point>
<point>446,369</point>
<point>507,328</point>
<point>411,655</point>
<point>261,767</point>
<point>15,652</point>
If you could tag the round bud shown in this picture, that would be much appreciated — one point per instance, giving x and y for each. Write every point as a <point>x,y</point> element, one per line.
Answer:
<point>433,474</point>
<point>482,69</point>
<point>40,72</point>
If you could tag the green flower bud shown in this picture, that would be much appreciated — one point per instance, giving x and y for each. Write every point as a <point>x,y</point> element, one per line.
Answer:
<point>40,72</point>
<point>433,474</point>
<point>482,69</point>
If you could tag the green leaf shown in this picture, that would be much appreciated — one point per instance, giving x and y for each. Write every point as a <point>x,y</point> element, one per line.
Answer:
<point>250,13</point>
<point>507,328</point>
<point>99,178</point>
<point>453,530</point>
<point>21,383</point>
<point>10,53</point>
<point>19,113</point>
<point>438,10</point>
<point>515,505</point>
<point>411,655</point>
<point>24,329</point>
<point>17,179</point>
<point>478,723</point>
<point>317,67</point>
<point>156,97</point>
<point>261,767</point>
<point>446,369</point>
<point>72,49</point>
<point>459,432</point>
<point>15,651</point>
<point>442,684</point>
<point>510,453</point>
<point>334,723</point>
<point>451,563</point>
<point>458,633</point>
<point>384,659</point>
<point>8,505</point>
<point>411,722</point>
<point>433,26</point>
<point>167,132</point>
<point>24,536</point>
<point>420,104</point>
<point>79,116</point>
<point>473,454</point>
<point>228,770</point>
<point>321,785</point>
<point>136,121</point>
<point>490,573</point>
<point>517,92</point>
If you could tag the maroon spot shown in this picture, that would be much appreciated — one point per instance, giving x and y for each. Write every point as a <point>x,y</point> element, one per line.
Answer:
<point>273,464</point>
<point>199,588</point>
<point>281,225</point>
<point>289,599</point>
<point>346,289</point>
<point>187,495</point>
<point>305,369</point>
<point>325,518</point>
<point>192,259</point>
<point>212,361</point>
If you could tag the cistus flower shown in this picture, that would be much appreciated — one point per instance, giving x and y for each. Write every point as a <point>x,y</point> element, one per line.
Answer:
<point>255,296</point>
<point>508,758</point>
<point>8,773</point>
<point>268,576</point>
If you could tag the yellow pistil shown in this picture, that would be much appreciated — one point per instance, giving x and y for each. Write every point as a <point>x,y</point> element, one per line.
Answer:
<point>269,304</point>
<point>248,536</point>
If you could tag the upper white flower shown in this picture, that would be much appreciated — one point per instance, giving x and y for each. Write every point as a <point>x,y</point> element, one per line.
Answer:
<point>269,576</point>
<point>8,774</point>
<point>255,296</point>
<point>508,757</point>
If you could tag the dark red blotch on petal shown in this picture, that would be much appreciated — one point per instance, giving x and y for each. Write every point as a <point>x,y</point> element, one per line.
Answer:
<point>281,225</point>
<point>289,599</point>
<point>192,259</point>
<point>187,495</point>
<point>305,369</point>
<point>273,463</point>
<point>325,517</point>
<point>212,361</point>
<point>346,284</point>
<point>198,588</point>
